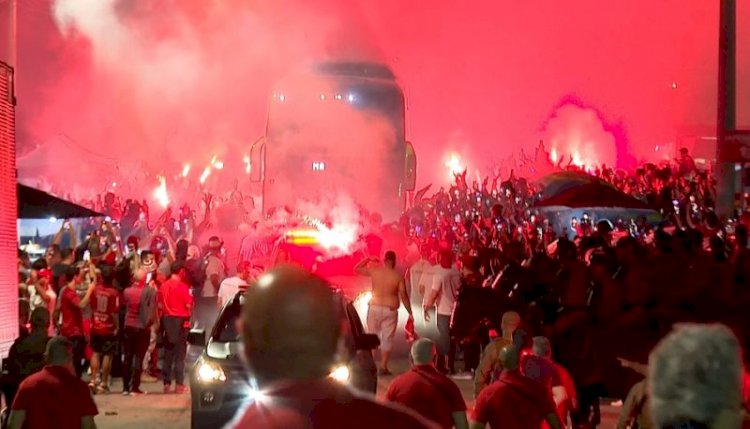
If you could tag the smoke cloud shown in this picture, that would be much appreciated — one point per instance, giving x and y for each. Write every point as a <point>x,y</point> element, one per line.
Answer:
<point>577,135</point>
<point>148,86</point>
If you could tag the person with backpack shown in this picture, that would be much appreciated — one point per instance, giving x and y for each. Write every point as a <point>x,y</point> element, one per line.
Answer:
<point>490,364</point>
<point>214,269</point>
<point>207,276</point>
<point>514,401</point>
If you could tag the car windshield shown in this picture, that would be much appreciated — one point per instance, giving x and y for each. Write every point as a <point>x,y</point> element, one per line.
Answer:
<point>226,329</point>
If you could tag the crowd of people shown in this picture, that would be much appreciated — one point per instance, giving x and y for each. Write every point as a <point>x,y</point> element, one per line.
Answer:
<point>487,280</point>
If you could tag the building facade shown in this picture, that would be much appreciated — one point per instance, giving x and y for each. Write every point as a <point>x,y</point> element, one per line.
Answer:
<point>8,213</point>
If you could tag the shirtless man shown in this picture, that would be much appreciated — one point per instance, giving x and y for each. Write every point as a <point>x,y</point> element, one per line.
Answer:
<point>382,312</point>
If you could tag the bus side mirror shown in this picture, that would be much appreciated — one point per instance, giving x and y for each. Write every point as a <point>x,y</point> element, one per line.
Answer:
<point>257,155</point>
<point>410,174</point>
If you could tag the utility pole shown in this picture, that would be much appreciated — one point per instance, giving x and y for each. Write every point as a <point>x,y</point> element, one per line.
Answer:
<point>726,106</point>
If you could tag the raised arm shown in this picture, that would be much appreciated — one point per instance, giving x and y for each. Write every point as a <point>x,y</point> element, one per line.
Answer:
<point>362,269</point>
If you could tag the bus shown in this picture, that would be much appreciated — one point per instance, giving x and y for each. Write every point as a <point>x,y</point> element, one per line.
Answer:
<point>338,128</point>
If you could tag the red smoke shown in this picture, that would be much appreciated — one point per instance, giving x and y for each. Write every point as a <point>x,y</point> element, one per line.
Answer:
<point>181,81</point>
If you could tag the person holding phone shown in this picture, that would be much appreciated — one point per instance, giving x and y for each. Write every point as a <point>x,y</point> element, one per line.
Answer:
<point>66,231</point>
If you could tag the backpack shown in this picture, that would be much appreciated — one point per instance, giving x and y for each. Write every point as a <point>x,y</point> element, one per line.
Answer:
<point>196,272</point>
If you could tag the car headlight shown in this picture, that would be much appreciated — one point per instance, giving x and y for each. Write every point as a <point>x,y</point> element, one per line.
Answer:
<point>341,374</point>
<point>209,372</point>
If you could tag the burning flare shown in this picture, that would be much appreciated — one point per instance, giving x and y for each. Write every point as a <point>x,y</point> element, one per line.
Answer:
<point>248,166</point>
<point>340,237</point>
<point>186,170</point>
<point>205,174</point>
<point>160,193</point>
<point>454,164</point>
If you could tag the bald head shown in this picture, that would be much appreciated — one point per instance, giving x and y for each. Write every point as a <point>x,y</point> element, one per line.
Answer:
<point>422,351</point>
<point>510,322</point>
<point>292,323</point>
<point>541,347</point>
<point>509,358</point>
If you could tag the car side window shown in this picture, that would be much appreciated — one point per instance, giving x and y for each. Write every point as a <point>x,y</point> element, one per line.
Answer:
<point>226,327</point>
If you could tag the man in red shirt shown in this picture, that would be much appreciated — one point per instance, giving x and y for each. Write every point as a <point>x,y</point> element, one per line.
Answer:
<point>427,391</point>
<point>105,306</point>
<point>71,309</point>
<point>514,401</point>
<point>291,329</point>
<point>54,397</point>
<point>176,304</point>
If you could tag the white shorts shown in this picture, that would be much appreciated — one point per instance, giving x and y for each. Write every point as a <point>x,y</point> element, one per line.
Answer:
<point>382,321</point>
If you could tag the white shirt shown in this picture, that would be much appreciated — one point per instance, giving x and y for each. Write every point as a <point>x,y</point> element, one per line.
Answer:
<point>36,301</point>
<point>214,265</point>
<point>420,274</point>
<point>229,288</point>
<point>445,282</point>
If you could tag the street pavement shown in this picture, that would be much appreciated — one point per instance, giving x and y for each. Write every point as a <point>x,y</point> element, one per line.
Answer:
<point>156,410</point>
<point>159,411</point>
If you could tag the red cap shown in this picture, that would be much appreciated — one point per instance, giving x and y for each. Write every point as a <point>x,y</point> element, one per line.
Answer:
<point>46,273</point>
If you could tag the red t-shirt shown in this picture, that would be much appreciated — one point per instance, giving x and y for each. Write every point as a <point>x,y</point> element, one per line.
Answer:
<point>105,304</point>
<point>54,398</point>
<point>429,393</point>
<point>324,404</point>
<point>514,402</point>
<point>72,315</point>
<point>175,298</point>
<point>540,369</point>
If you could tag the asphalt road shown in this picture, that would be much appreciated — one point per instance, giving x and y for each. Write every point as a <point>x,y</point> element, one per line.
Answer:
<point>159,411</point>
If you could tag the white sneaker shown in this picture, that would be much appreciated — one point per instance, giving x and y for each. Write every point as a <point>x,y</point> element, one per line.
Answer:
<point>466,375</point>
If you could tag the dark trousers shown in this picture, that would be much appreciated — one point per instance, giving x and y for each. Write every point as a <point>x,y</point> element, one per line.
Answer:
<point>135,344</point>
<point>79,353</point>
<point>472,352</point>
<point>588,414</point>
<point>9,387</point>
<point>175,348</point>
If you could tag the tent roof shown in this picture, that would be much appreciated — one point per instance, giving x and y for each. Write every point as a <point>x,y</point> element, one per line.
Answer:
<point>593,195</point>
<point>36,204</point>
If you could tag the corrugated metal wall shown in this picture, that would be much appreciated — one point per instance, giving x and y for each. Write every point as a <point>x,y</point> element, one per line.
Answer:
<point>8,210</point>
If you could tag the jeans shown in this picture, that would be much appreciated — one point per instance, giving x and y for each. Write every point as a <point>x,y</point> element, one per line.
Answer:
<point>151,363</point>
<point>134,347</point>
<point>444,334</point>
<point>175,348</point>
<point>79,353</point>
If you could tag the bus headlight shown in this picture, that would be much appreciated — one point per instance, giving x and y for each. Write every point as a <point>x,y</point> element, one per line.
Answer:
<point>210,372</point>
<point>341,374</point>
